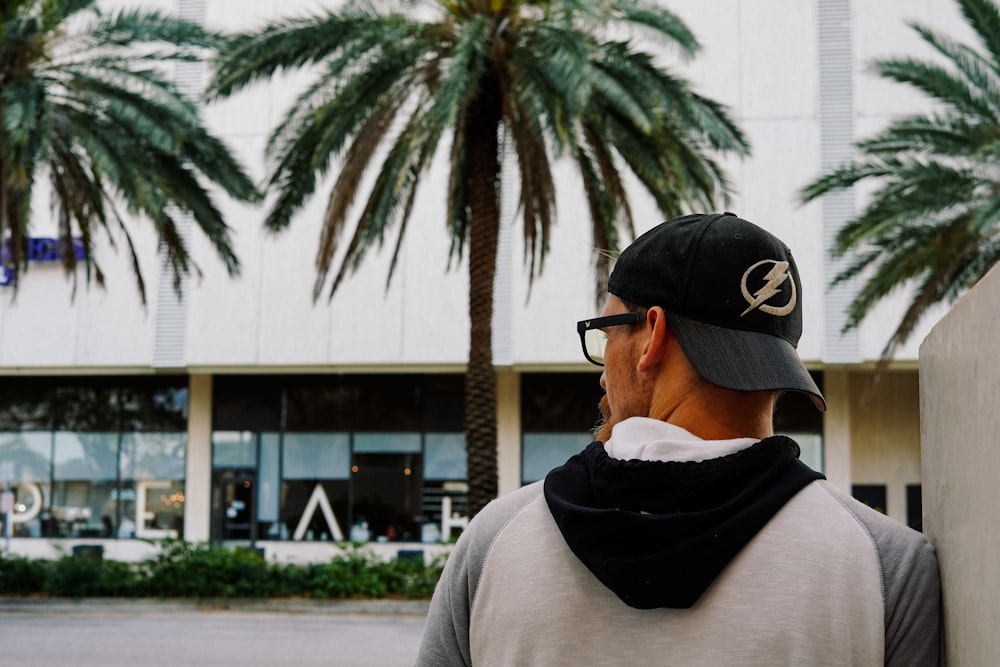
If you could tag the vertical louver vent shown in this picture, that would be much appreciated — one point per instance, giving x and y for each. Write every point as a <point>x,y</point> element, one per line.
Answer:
<point>836,96</point>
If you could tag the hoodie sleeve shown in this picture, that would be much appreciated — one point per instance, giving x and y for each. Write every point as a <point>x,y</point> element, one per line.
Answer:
<point>913,622</point>
<point>911,589</point>
<point>446,634</point>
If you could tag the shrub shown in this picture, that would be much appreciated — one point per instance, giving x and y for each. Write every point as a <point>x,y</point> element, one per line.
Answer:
<point>204,571</point>
<point>183,570</point>
<point>86,576</point>
<point>22,576</point>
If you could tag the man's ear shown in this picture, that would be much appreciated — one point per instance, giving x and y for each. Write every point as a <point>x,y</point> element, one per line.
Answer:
<point>658,336</point>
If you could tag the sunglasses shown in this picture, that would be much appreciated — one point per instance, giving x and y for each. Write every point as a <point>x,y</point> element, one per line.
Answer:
<point>594,339</point>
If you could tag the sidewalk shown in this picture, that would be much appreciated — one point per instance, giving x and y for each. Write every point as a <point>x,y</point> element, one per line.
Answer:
<point>154,605</point>
<point>102,632</point>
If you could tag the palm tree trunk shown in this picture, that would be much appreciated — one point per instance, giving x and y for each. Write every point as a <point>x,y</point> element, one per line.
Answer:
<point>481,124</point>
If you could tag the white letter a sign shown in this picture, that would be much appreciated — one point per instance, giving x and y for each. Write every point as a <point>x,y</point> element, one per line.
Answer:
<point>318,498</point>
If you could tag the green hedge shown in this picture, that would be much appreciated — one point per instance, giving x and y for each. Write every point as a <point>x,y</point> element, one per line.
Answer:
<point>182,570</point>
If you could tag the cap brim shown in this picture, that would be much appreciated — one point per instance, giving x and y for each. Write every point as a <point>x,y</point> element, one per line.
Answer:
<point>743,360</point>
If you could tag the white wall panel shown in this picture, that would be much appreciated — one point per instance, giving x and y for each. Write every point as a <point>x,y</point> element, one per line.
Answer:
<point>114,329</point>
<point>365,317</point>
<point>778,59</point>
<point>544,319</point>
<point>243,15</point>
<point>882,321</point>
<point>46,326</point>
<point>223,310</point>
<point>433,317</point>
<point>290,328</point>
<point>716,69</point>
<point>881,31</point>
<point>40,327</point>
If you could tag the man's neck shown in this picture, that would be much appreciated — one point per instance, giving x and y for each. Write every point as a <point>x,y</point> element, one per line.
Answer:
<point>713,413</point>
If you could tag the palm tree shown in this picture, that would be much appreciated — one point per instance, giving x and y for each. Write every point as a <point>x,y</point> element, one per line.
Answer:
<point>85,100</point>
<point>543,73</point>
<point>934,218</point>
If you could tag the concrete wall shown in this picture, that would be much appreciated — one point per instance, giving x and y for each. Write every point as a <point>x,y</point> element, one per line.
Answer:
<point>885,434</point>
<point>960,420</point>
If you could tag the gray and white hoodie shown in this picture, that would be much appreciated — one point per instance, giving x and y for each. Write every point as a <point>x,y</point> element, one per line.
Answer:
<point>658,548</point>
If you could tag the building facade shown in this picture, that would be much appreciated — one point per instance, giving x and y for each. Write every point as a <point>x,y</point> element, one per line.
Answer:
<point>241,411</point>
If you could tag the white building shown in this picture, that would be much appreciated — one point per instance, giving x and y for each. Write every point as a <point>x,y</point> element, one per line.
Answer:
<point>245,410</point>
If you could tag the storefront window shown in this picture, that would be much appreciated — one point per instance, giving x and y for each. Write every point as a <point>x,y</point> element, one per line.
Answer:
<point>26,462</point>
<point>445,457</point>
<point>445,472</point>
<point>234,449</point>
<point>541,452</point>
<point>558,412</point>
<point>85,484</point>
<point>152,477</point>
<point>317,456</point>
<point>316,472</point>
<point>338,458</point>
<point>95,457</point>
<point>269,482</point>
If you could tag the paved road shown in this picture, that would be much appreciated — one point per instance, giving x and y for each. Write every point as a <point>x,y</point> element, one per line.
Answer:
<point>151,635</point>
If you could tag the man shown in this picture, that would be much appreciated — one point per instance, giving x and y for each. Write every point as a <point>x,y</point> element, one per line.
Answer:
<point>687,533</point>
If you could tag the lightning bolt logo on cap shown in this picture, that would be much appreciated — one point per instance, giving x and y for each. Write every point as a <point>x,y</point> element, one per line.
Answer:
<point>775,278</point>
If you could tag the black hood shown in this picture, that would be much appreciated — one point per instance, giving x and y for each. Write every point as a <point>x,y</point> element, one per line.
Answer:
<point>658,533</point>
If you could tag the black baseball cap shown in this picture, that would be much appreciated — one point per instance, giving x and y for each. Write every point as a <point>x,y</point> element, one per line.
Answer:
<point>731,294</point>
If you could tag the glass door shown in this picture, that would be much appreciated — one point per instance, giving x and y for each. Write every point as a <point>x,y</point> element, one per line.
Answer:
<point>233,507</point>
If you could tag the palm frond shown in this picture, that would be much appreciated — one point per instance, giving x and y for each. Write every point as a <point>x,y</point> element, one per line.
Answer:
<point>847,175</point>
<point>349,65</point>
<point>603,196</point>
<point>455,84</point>
<point>391,197</point>
<point>938,83</point>
<point>667,98</point>
<point>459,204</point>
<point>92,101</point>
<point>290,44</point>
<point>163,36</point>
<point>419,168</point>
<point>974,67</point>
<point>524,122</point>
<point>305,150</point>
<point>661,23</point>
<point>935,134</point>
<point>983,17</point>
<point>174,145</point>
<point>938,276</point>
<point>356,161</point>
<point>50,15</point>
<point>918,191</point>
<point>552,66</point>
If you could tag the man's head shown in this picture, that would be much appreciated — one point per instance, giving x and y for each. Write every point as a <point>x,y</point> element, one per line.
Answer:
<point>730,294</point>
